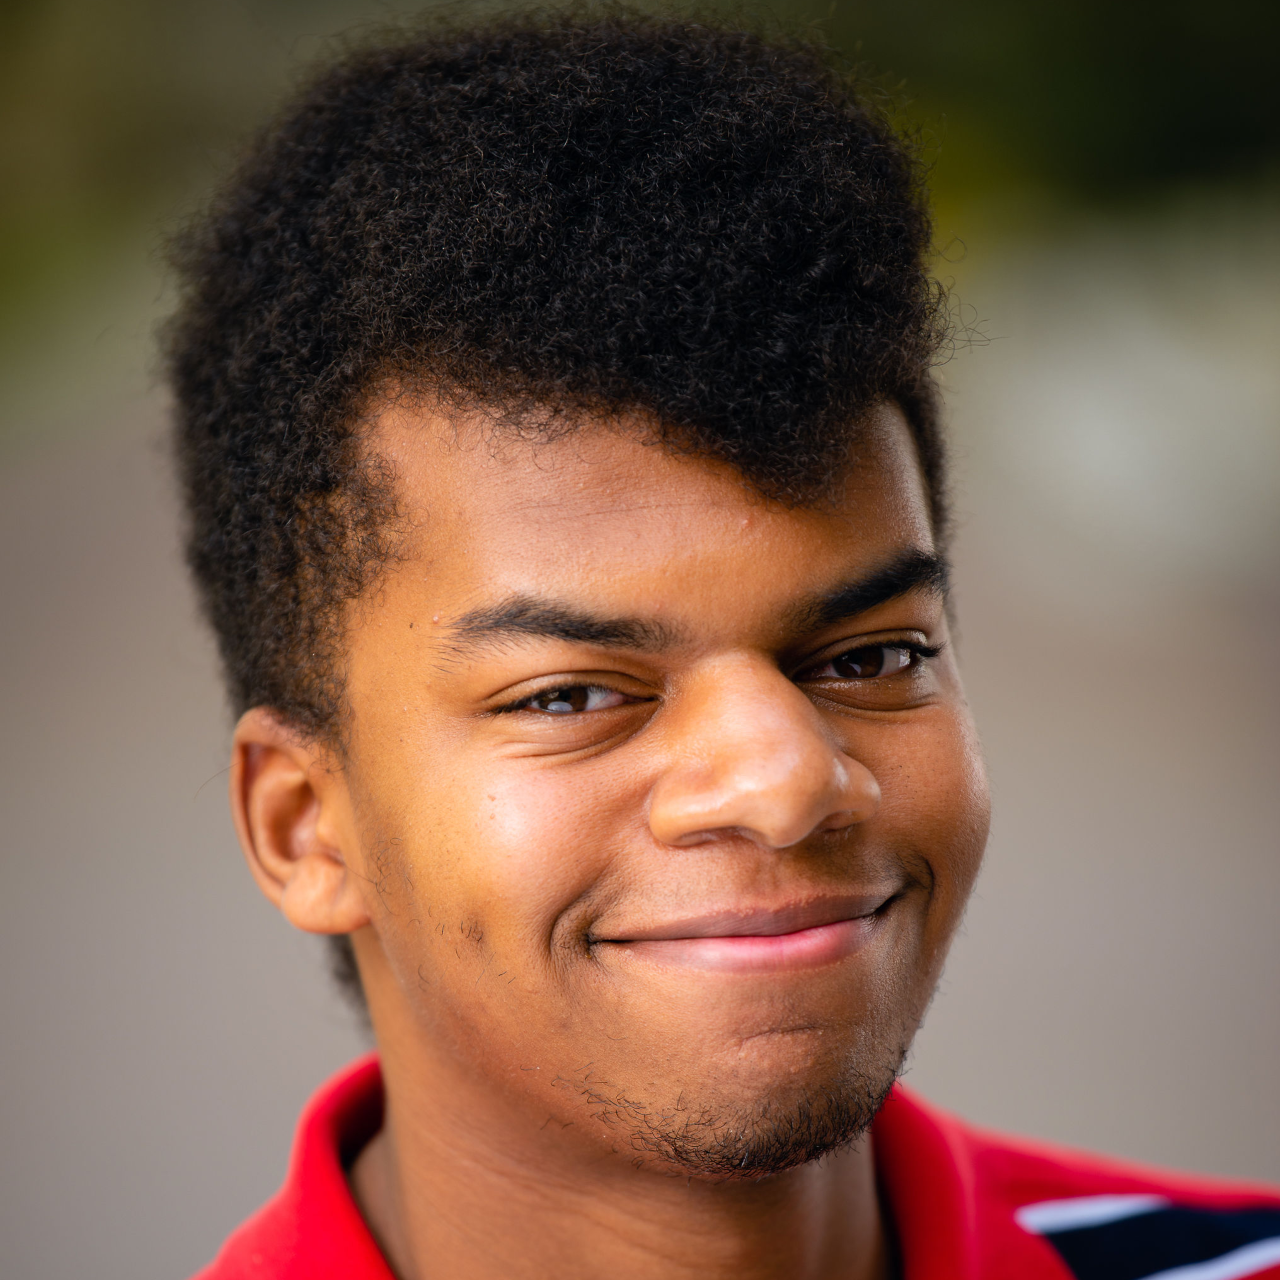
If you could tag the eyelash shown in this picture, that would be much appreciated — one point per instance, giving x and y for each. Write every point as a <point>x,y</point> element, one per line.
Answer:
<point>917,653</point>
<point>523,704</point>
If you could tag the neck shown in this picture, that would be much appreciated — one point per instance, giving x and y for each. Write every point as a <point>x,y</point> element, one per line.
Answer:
<point>459,1182</point>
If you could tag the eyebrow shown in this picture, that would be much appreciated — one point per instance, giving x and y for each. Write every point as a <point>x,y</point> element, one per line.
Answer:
<point>913,569</point>
<point>521,616</point>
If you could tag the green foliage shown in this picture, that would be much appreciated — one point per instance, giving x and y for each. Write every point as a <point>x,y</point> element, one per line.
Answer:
<point>116,111</point>
<point>1098,99</point>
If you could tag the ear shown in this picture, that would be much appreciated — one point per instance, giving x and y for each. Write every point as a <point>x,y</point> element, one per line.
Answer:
<point>292,813</point>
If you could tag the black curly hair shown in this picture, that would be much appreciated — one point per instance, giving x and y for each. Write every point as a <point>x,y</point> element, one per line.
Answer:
<point>565,212</point>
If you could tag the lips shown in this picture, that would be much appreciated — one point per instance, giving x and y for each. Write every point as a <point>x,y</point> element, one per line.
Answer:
<point>795,935</point>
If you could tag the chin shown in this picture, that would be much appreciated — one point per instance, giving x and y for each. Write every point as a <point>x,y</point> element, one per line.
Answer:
<point>779,1130</point>
<point>789,1106</point>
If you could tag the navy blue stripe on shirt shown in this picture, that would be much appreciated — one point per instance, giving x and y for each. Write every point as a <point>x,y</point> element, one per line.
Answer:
<point>1156,1238</point>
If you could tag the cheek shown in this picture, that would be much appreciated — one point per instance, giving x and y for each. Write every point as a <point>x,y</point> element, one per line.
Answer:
<point>512,845</point>
<point>538,842</point>
<point>935,799</point>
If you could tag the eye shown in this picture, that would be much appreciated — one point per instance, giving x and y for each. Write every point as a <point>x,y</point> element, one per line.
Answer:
<point>572,699</point>
<point>870,662</point>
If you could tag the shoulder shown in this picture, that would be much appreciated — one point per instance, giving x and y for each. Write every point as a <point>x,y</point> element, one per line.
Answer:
<point>1032,1209</point>
<point>966,1203</point>
<point>312,1227</point>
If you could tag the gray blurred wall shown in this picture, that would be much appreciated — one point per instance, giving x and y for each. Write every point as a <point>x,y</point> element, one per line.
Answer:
<point>1115,985</point>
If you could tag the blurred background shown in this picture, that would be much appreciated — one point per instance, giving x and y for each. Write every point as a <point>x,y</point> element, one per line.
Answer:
<point>1106,179</point>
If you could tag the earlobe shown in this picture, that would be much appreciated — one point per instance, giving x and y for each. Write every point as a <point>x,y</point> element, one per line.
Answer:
<point>290,809</point>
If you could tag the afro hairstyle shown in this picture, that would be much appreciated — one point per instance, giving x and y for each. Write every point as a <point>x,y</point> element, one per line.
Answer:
<point>553,214</point>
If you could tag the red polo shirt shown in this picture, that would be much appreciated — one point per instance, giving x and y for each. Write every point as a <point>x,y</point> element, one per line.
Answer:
<point>966,1205</point>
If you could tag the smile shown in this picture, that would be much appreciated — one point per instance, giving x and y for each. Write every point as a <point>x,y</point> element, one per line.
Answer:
<point>803,937</point>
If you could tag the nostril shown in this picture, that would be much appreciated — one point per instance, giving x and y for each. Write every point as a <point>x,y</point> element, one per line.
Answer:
<point>838,821</point>
<point>695,838</point>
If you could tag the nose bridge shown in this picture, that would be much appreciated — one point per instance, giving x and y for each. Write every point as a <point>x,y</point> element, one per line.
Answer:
<point>750,753</point>
<point>763,729</point>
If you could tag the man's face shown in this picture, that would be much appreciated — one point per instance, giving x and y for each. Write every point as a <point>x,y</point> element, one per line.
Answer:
<point>667,796</point>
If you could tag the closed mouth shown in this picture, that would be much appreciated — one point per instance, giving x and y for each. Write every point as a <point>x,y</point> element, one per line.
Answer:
<point>795,935</point>
<point>760,921</point>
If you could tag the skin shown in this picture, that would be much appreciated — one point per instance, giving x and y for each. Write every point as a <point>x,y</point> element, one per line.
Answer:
<point>557,913</point>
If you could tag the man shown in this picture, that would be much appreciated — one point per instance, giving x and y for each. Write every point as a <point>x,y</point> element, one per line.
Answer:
<point>567,494</point>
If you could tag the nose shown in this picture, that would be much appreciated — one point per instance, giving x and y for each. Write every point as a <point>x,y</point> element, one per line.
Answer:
<point>750,755</point>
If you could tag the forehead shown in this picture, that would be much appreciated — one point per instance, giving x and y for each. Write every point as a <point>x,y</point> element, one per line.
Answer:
<point>607,510</point>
